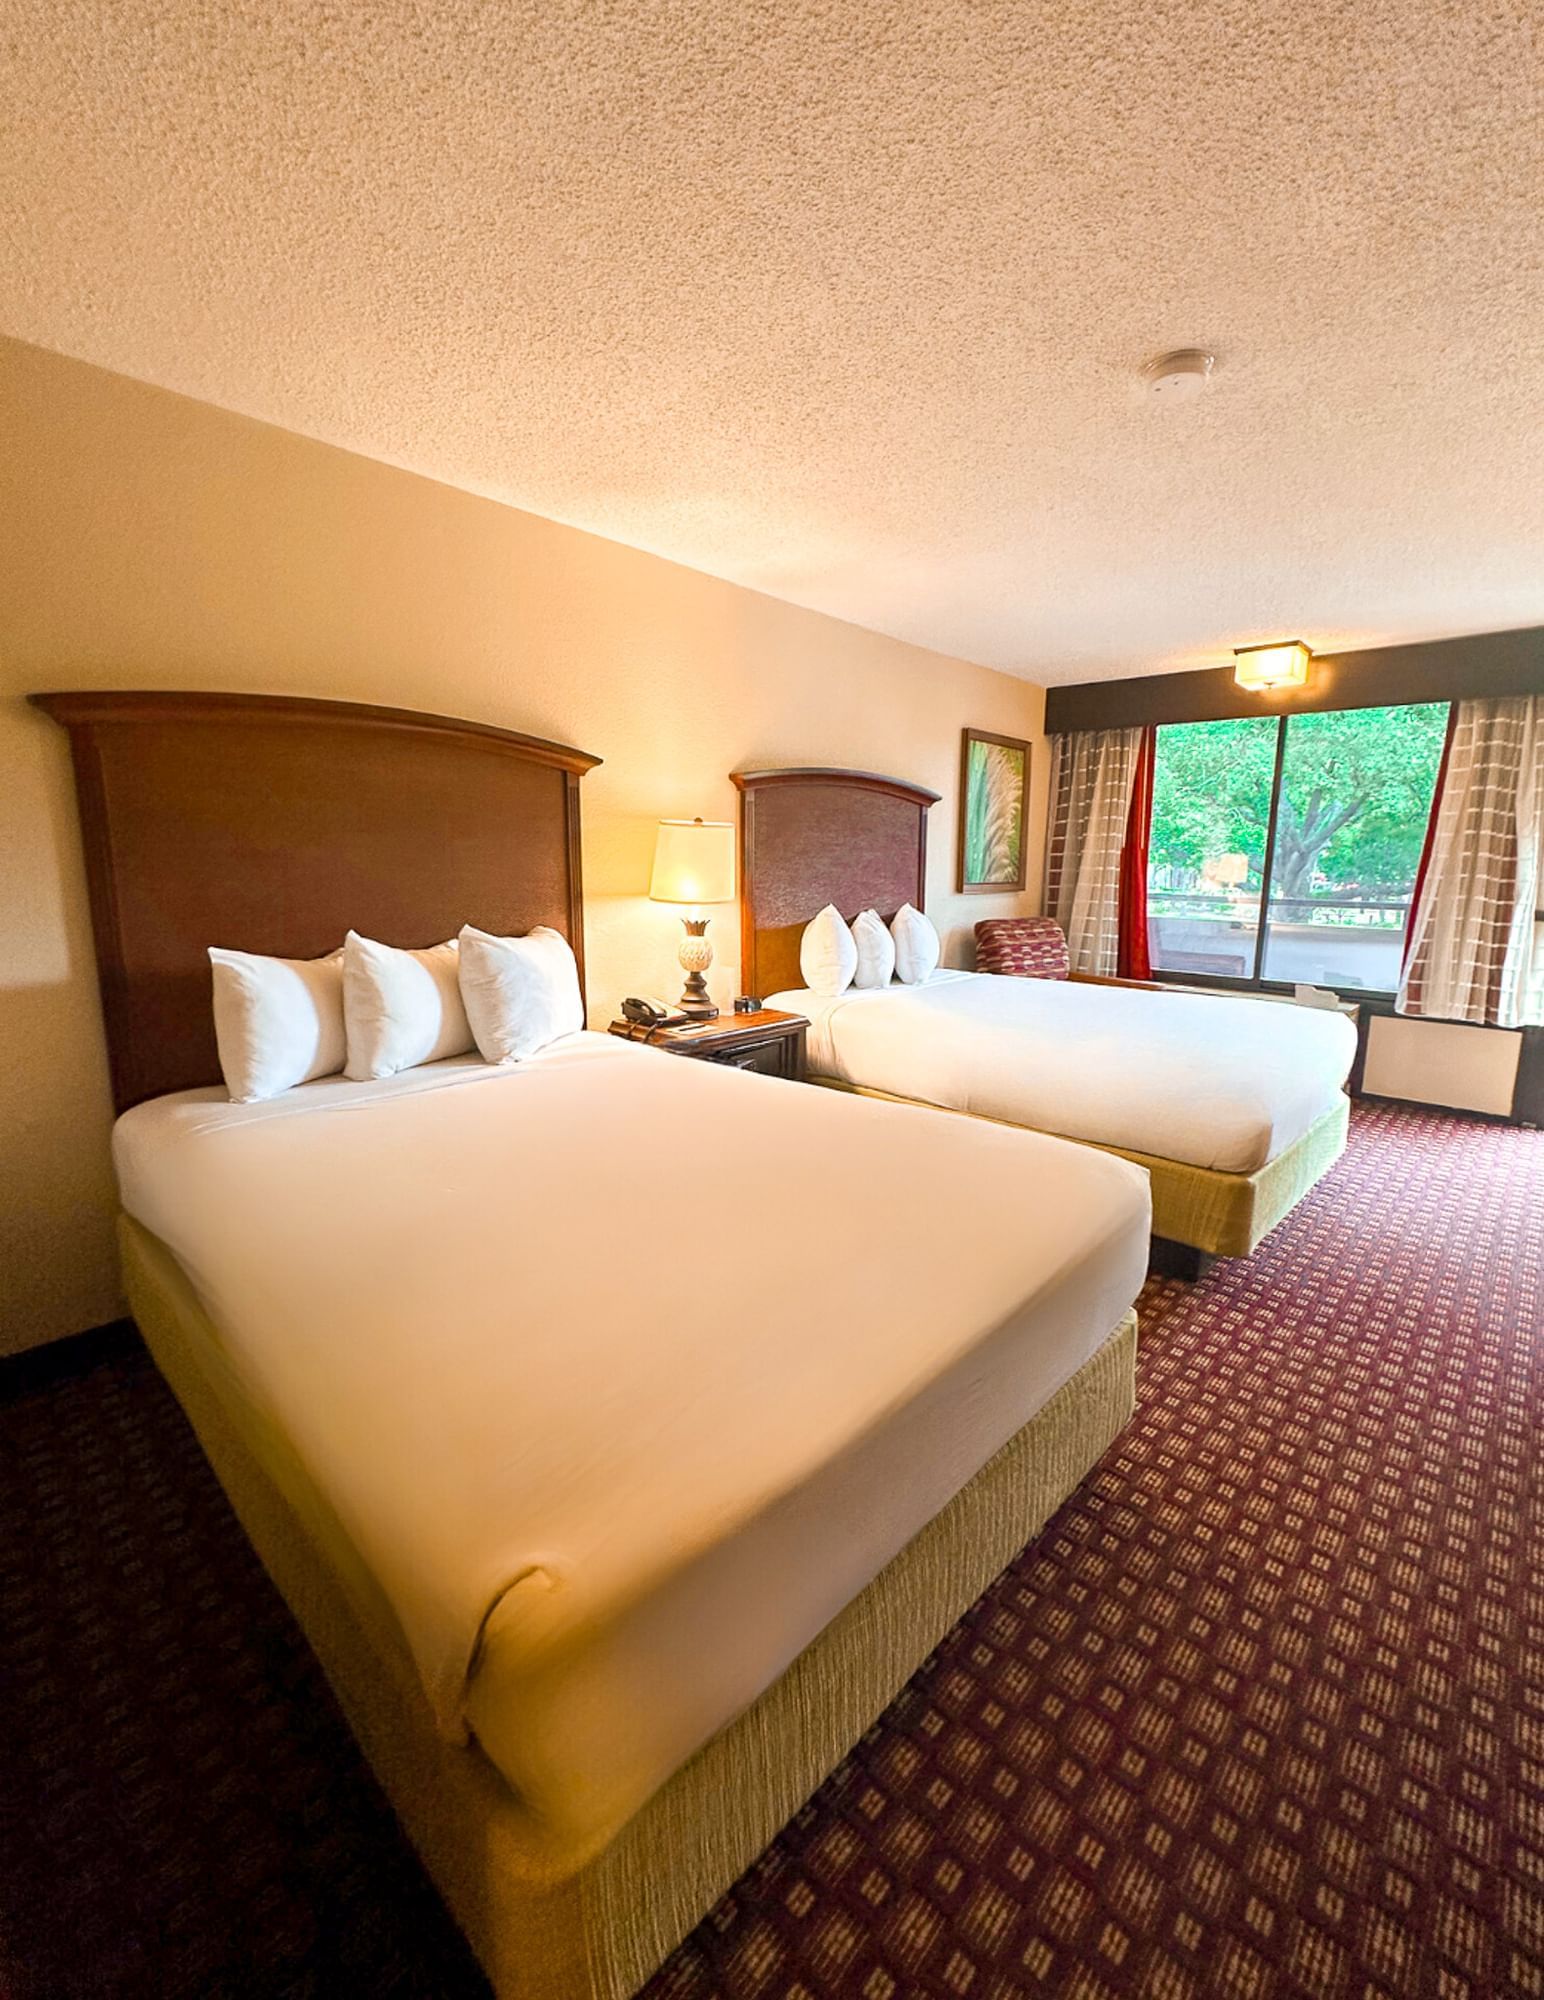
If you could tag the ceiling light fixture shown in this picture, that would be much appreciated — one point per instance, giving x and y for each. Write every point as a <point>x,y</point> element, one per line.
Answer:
<point>1263,668</point>
<point>1181,376</point>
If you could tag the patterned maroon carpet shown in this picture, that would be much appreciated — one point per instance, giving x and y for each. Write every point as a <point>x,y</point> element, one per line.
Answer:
<point>1261,1712</point>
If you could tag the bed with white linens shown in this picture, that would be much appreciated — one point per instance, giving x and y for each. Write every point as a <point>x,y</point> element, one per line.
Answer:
<point>1213,1081</point>
<point>1234,1104</point>
<point>617,1498</point>
<point>608,1487</point>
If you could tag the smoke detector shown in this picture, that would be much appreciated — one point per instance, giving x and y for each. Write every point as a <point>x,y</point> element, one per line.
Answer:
<point>1178,377</point>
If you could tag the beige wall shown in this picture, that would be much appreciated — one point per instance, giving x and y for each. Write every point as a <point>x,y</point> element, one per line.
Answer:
<point>153,541</point>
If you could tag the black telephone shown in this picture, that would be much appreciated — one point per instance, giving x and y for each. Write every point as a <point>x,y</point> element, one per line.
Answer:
<point>646,1012</point>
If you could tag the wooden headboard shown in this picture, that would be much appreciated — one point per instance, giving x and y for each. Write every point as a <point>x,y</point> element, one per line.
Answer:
<point>812,837</point>
<point>269,823</point>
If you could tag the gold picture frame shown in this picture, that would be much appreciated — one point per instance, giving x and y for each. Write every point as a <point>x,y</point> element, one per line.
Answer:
<point>994,813</point>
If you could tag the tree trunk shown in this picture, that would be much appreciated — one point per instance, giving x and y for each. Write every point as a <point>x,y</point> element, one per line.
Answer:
<point>1300,842</point>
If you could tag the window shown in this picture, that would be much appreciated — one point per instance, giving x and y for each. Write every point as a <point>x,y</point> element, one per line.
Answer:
<point>1206,851</point>
<point>1333,805</point>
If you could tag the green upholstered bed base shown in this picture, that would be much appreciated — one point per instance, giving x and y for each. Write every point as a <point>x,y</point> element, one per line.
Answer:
<point>552,1926</point>
<point>1225,1215</point>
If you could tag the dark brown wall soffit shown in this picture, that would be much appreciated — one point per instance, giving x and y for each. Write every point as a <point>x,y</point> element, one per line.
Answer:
<point>1489,663</point>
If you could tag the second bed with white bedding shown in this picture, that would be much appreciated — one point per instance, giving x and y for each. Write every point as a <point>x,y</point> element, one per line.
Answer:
<point>617,1441</point>
<point>1212,1080</point>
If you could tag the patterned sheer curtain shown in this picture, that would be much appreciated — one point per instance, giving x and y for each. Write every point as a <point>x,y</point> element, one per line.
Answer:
<point>1092,774</point>
<point>1476,948</point>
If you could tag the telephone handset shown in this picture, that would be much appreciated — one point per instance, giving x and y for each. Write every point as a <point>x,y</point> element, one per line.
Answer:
<point>646,1012</point>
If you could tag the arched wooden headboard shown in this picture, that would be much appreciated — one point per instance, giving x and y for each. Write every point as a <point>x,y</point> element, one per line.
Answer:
<point>810,837</point>
<point>270,823</point>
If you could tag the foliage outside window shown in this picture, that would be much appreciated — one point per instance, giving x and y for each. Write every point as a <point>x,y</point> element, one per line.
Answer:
<point>1349,806</point>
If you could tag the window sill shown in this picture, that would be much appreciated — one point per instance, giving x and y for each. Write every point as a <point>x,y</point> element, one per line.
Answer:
<point>1375,1000</point>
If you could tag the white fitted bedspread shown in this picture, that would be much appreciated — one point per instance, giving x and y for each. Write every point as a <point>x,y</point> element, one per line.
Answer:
<point>624,1374</point>
<point>1214,1080</point>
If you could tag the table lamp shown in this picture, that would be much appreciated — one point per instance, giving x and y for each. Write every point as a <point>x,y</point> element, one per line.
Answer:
<point>694,864</point>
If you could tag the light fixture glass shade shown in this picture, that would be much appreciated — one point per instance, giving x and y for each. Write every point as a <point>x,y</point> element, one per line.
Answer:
<point>1259,668</point>
<point>693,862</point>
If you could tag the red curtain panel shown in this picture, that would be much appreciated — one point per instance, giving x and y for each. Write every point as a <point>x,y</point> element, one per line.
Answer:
<point>1132,959</point>
<point>1412,995</point>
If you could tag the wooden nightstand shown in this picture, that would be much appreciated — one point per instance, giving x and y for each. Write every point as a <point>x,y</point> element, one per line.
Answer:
<point>767,1041</point>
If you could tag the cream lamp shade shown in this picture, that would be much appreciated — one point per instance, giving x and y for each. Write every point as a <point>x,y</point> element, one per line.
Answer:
<point>1261,668</point>
<point>693,862</point>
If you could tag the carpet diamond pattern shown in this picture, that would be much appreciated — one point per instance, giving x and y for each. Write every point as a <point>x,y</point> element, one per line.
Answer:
<point>1261,1713</point>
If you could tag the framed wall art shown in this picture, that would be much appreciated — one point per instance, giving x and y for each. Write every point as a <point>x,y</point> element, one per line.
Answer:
<point>994,808</point>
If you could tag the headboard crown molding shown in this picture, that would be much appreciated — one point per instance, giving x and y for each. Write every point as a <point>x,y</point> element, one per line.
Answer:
<point>277,823</point>
<point>77,709</point>
<point>806,774</point>
<point>811,836</point>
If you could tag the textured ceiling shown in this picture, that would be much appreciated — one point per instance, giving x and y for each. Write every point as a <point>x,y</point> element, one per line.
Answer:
<point>846,301</point>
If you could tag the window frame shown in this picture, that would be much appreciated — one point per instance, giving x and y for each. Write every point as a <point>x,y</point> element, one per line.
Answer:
<point>1219,982</point>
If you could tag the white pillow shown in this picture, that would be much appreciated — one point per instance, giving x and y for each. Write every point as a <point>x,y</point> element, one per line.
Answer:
<point>520,993</point>
<point>401,1008</point>
<point>917,950</point>
<point>828,958</point>
<point>876,950</point>
<point>277,1021</point>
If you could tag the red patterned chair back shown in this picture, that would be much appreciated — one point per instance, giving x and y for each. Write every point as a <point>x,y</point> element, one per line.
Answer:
<point>1022,947</point>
